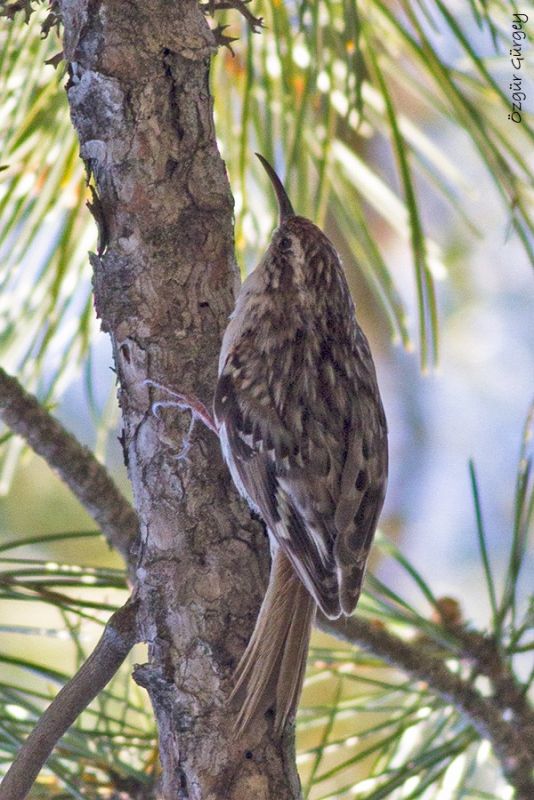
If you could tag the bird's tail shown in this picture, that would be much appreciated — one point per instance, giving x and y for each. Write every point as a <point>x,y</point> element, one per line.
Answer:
<point>271,672</point>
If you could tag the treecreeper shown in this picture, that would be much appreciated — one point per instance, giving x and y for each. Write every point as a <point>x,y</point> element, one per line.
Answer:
<point>303,431</point>
<point>302,428</point>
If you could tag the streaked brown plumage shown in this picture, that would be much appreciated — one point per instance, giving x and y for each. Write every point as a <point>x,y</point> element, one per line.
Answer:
<point>304,434</point>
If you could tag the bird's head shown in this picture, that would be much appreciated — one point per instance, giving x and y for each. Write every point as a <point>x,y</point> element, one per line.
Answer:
<point>298,246</point>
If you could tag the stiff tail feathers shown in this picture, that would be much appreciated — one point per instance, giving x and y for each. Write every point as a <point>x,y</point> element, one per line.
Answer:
<point>271,671</point>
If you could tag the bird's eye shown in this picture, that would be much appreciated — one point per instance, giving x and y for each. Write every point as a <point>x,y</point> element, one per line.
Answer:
<point>285,243</point>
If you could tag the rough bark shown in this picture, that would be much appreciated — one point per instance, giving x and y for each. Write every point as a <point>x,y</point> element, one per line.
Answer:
<point>164,285</point>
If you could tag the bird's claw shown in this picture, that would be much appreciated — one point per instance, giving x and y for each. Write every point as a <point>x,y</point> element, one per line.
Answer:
<point>183,455</point>
<point>167,404</point>
<point>183,402</point>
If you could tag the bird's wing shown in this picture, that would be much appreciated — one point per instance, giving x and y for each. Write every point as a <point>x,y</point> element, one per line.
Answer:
<point>361,492</point>
<point>263,456</point>
<point>339,504</point>
<point>316,482</point>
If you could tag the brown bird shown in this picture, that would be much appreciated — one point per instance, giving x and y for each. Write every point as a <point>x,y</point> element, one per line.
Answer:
<point>303,431</point>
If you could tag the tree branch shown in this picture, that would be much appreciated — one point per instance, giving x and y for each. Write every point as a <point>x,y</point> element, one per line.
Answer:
<point>513,746</point>
<point>255,23</point>
<point>508,694</point>
<point>75,464</point>
<point>120,635</point>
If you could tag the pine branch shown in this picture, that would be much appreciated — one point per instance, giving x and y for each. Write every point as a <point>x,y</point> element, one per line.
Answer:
<point>75,464</point>
<point>484,653</point>
<point>512,740</point>
<point>120,635</point>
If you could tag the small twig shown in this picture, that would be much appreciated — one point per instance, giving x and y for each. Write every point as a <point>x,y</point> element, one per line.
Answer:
<point>75,464</point>
<point>223,41</point>
<point>10,9</point>
<point>120,635</point>
<point>513,746</point>
<point>256,23</point>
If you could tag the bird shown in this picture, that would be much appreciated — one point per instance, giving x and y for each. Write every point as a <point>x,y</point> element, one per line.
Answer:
<point>303,431</point>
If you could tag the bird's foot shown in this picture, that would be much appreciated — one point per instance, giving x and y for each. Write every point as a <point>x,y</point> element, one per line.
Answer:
<point>185,402</point>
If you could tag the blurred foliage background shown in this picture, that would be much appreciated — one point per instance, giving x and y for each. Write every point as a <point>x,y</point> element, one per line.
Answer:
<point>390,122</point>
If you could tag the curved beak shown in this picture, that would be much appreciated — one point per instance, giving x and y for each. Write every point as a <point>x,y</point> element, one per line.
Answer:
<point>284,203</point>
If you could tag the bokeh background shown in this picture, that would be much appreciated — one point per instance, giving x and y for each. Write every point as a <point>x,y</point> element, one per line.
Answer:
<point>310,95</point>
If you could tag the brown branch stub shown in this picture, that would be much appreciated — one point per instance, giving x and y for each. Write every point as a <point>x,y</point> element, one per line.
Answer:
<point>222,40</point>
<point>120,635</point>
<point>513,743</point>
<point>255,23</point>
<point>75,464</point>
<point>52,19</point>
<point>9,10</point>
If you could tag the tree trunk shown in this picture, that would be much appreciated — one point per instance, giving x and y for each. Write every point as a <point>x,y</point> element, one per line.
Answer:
<point>165,280</point>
